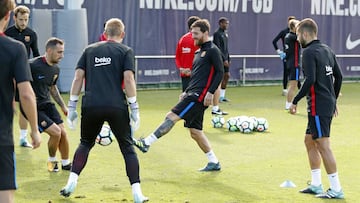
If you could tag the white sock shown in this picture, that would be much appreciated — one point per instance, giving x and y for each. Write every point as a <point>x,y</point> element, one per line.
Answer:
<point>150,139</point>
<point>23,133</point>
<point>334,182</point>
<point>222,92</point>
<point>287,105</point>
<point>52,159</point>
<point>73,177</point>
<point>136,189</point>
<point>316,177</point>
<point>65,162</point>
<point>215,108</point>
<point>212,157</point>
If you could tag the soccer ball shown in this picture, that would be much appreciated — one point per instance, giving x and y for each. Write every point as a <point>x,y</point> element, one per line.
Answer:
<point>231,124</point>
<point>263,125</point>
<point>246,125</point>
<point>218,121</point>
<point>254,121</point>
<point>105,137</point>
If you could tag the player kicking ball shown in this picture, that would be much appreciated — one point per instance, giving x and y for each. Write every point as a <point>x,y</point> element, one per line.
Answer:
<point>207,73</point>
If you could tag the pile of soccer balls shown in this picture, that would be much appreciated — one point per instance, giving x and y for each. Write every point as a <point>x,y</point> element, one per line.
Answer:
<point>243,124</point>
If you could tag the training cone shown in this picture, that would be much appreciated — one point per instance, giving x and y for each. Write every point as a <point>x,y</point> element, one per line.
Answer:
<point>287,184</point>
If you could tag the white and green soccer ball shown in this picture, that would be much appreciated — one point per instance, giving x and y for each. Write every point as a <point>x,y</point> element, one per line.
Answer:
<point>262,125</point>
<point>254,121</point>
<point>218,121</point>
<point>105,137</point>
<point>232,124</point>
<point>246,125</point>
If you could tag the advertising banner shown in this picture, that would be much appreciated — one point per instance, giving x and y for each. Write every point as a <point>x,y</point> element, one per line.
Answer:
<point>154,26</point>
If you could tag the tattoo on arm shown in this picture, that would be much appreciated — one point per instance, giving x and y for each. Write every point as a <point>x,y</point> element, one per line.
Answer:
<point>164,128</point>
<point>54,91</point>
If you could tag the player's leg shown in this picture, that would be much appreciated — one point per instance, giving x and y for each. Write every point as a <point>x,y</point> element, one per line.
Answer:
<point>54,133</point>
<point>63,144</point>
<point>7,196</point>
<point>223,85</point>
<point>195,126</point>
<point>314,157</point>
<point>285,79</point>
<point>90,125</point>
<point>7,174</point>
<point>216,100</point>
<point>47,125</point>
<point>118,120</point>
<point>182,109</point>
<point>290,93</point>
<point>143,144</point>
<point>323,144</point>
<point>64,149</point>
<point>23,124</point>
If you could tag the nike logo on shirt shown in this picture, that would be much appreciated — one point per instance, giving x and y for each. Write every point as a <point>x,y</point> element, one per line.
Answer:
<point>351,44</point>
<point>41,77</point>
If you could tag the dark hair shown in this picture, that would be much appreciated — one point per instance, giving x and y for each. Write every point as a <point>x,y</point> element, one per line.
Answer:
<point>52,42</point>
<point>191,20</point>
<point>308,25</point>
<point>222,19</point>
<point>5,7</point>
<point>203,24</point>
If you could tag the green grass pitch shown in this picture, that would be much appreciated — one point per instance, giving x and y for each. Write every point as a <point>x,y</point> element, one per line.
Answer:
<point>253,165</point>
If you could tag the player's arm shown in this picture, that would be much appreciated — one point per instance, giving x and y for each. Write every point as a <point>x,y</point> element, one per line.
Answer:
<point>309,68</point>
<point>338,78</point>
<point>276,39</point>
<point>217,62</point>
<point>217,42</point>
<point>178,54</point>
<point>54,91</point>
<point>77,82</point>
<point>34,46</point>
<point>74,96</point>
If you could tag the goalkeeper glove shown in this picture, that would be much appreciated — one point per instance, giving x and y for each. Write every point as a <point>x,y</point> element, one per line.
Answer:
<point>72,115</point>
<point>281,54</point>
<point>135,115</point>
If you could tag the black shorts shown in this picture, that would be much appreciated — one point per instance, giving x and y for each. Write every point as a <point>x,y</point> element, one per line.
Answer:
<point>226,69</point>
<point>294,73</point>
<point>47,115</point>
<point>92,119</point>
<point>7,168</point>
<point>319,126</point>
<point>191,110</point>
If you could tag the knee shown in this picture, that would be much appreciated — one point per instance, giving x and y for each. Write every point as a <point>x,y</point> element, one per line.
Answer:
<point>54,131</point>
<point>195,134</point>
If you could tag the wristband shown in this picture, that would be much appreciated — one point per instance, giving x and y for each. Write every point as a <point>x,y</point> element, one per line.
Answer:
<point>131,99</point>
<point>74,97</point>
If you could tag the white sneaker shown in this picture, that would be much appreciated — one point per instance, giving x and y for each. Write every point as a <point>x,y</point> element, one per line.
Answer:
<point>25,143</point>
<point>140,198</point>
<point>68,189</point>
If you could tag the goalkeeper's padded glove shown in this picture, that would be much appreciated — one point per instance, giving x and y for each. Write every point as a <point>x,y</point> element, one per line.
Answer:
<point>72,115</point>
<point>134,115</point>
<point>281,54</point>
